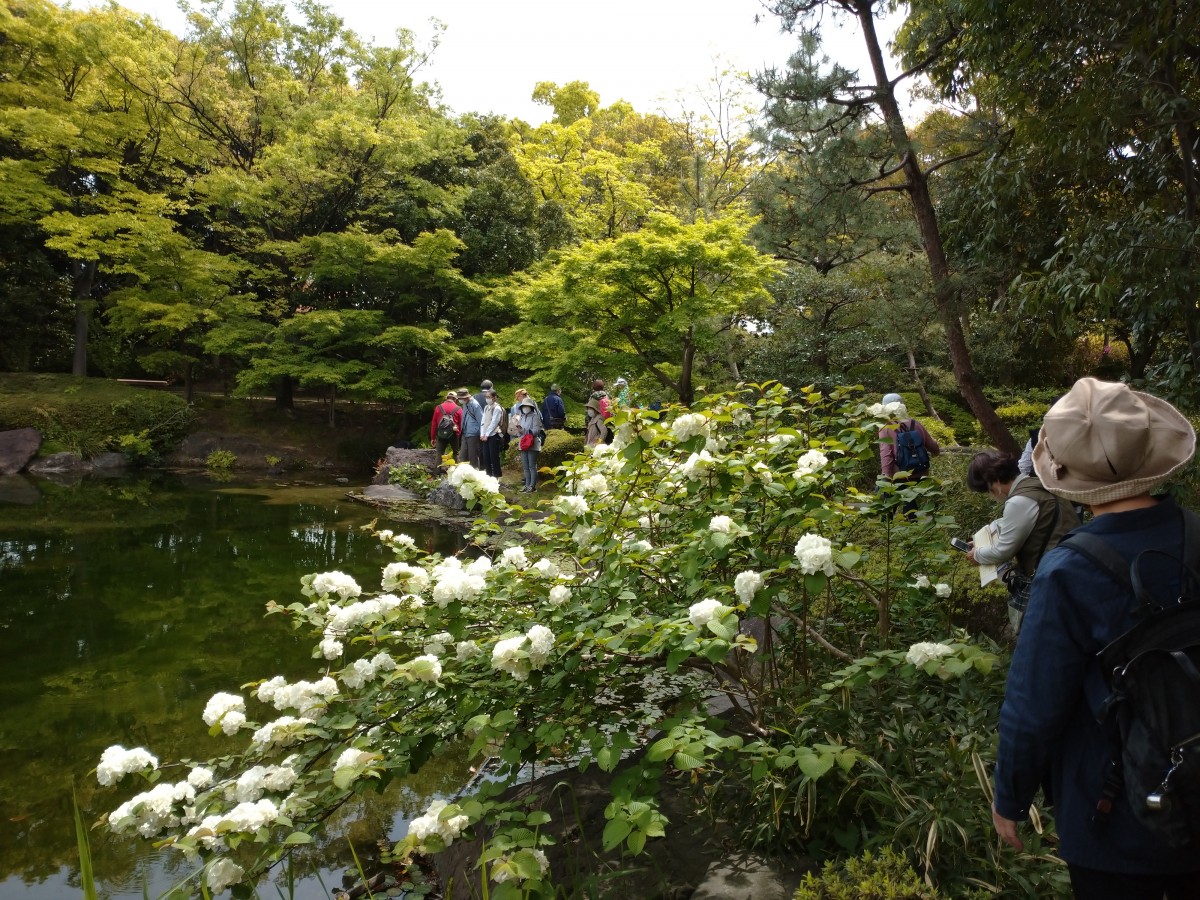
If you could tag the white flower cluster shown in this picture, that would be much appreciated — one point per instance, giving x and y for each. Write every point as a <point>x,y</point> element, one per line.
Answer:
<point>697,465</point>
<point>400,576</point>
<point>200,777</point>
<point>572,504</point>
<point>559,594</point>
<point>689,425</point>
<point>514,558</point>
<point>401,543</point>
<point>116,762</point>
<point>469,481</point>
<point>893,411</point>
<point>152,811</point>
<point>283,731</point>
<point>942,589</point>
<point>303,696</point>
<point>256,781</point>
<point>464,650</point>
<point>700,614</point>
<point>352,758</point>
<point>248,817</point>
<point>454,582</point>
<point>424,668</point>
<point>923,651</point>
<point>365,670</point>
<point>595,483</point>
<point>810,462</point>
<point>815,554</point>
<point>922,582</point>
<point>431,823</point>
<point>223,872</point>
<point>228,709</point>
<point>341,619</point>
<point>501,872</point>
<point>520,654</point>
<point>722,524</point>
<point>329,583</point>
<point>746,585</point>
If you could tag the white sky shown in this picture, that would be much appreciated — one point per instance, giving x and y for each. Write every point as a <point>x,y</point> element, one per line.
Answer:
<point>648,52</point>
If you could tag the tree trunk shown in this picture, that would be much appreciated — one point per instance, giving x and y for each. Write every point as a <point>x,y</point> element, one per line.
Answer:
<point>920,385</point>
<point>284,391</point>
<point>944,293</point>
<point>84,273</point>
<point>686,394</point>
<point>332,398</point>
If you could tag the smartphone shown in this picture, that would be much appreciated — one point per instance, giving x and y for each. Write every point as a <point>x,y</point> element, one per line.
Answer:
<point>960,544</point>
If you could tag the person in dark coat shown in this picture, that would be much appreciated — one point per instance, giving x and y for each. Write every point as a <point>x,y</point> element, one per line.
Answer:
<point>554,411</point>
<point>1108,447</point>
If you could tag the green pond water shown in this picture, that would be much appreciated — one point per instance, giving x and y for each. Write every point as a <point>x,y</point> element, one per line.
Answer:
<point>126,603</point>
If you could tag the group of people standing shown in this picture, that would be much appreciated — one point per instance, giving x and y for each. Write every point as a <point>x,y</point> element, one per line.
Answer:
<point>477,428</point>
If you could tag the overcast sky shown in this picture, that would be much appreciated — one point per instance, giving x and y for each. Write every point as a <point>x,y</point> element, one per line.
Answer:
<point>647,52</point>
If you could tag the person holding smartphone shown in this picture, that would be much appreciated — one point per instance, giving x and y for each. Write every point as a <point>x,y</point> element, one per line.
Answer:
<point>1033,521</point>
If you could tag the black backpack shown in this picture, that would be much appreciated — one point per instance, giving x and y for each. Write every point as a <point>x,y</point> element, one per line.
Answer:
<point>911,455</point>
<point>1152,672</point>
<point>445,428</point>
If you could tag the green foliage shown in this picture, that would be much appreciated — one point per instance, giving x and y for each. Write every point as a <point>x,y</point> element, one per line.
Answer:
<point>415,478</point>
<point>89,416</point>
<point>558,446</point>
<point>136,446</point>
<point>886,875</point>
<point>220,460</point>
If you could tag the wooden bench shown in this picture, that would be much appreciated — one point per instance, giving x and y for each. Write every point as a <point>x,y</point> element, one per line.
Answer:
<point>143,383</point>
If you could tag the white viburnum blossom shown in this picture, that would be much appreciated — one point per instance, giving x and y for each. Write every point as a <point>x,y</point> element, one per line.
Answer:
<point>722,524</point>
<point>541,642</point>
<point>689,425</point>
<point>283,731</point>
<point>222,873</point>
<point>352,757</point>
<point>560,594</point>
<point>399,542</point>
<point>875,410</point>
<point>895,410</point>
<point>742,418</point>
<point>116,762</point>
<point>592,484</point>
<point>479,567</point>
<point>508,655</point>
<point>571,504</point>
<point>942,589</point>
<point>220,705</point>
<point>639,546</point>
<point>696,465</point>
<point>404,577</point>
<point>464,650</point>
<point>331,647</point>
<point>425,668</point>
<point>545,568</point>
<point>431,823</point>
<point>779,441</point>
<point>339,583</point>
<point>436,645</point>
<point>200,777</point>
<point>469,481</point>
<point>815,554</point>
<point>922,582</point>
<point>922,652</point>
<point>360,672</point>
<point>302,696</point>
<point>700,614</point>
<point>514,558</point>
<point>746,585</point>
<point>152,811</point>
<point>810,462</point>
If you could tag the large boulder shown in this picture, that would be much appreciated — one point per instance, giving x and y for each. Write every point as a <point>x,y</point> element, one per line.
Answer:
<point>447,496</point>
<point>397,457</point>
<point>17,448</point>
<point>390,493</point>
<point>60,464</point>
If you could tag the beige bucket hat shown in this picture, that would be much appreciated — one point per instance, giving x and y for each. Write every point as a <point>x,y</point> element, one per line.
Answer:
<point>1103,442</point>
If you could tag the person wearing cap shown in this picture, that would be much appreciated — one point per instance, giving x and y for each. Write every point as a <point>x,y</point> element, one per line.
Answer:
<point>1108,447</point>
<point>554,411</point>
<point>529,423</point>
<point>491,435</point>
<point>897,412</point>
<point>597,412</point>
<point>448,407</point>
<point>482,397</point>
<point>472,418</point>
<point>1033,522</point>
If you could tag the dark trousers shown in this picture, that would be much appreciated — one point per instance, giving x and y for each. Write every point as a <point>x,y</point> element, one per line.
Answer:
<point>1091,884</point>
<point>492,448</point>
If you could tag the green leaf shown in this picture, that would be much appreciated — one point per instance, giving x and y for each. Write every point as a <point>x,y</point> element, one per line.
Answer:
<point>660,749</point>
<point>675,658</point>
<point>815,766</point>
<point>615,832</point>
<point>687,758</point>
<point>636,842</point>
<point>607,758</point>
<point>298,837</point>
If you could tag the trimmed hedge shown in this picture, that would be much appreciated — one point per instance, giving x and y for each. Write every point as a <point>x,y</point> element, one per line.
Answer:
<point>91,415</point>
<point>557,447</point>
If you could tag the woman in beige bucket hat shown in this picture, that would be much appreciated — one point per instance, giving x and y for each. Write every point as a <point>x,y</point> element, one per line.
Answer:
<point>1108,447</point>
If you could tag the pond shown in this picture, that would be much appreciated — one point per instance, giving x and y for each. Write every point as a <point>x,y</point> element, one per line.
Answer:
<point>126,603</point>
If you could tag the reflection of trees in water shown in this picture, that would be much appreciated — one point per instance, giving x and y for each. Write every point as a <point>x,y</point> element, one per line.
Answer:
<point>124,605</point>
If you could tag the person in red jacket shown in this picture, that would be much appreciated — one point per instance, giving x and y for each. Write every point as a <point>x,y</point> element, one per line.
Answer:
<point>446,435</point>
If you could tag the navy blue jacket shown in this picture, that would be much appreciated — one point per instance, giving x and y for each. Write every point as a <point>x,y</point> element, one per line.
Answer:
<point>554,411</point>
<point>1049,736</point>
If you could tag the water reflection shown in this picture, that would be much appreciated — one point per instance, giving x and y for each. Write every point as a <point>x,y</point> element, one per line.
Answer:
<point>124,605</point>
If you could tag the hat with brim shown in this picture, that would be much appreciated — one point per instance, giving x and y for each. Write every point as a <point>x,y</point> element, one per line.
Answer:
<point>1103,442</point>
<point>526,402</point>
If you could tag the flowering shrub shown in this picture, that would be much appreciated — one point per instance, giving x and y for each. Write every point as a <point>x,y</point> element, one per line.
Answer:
<point>729,546</point>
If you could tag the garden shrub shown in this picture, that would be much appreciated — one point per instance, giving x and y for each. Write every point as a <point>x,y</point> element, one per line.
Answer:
<point>91,415</point>
<point>571,636</point>
<point>883,876</point>
<point>558,446</point>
